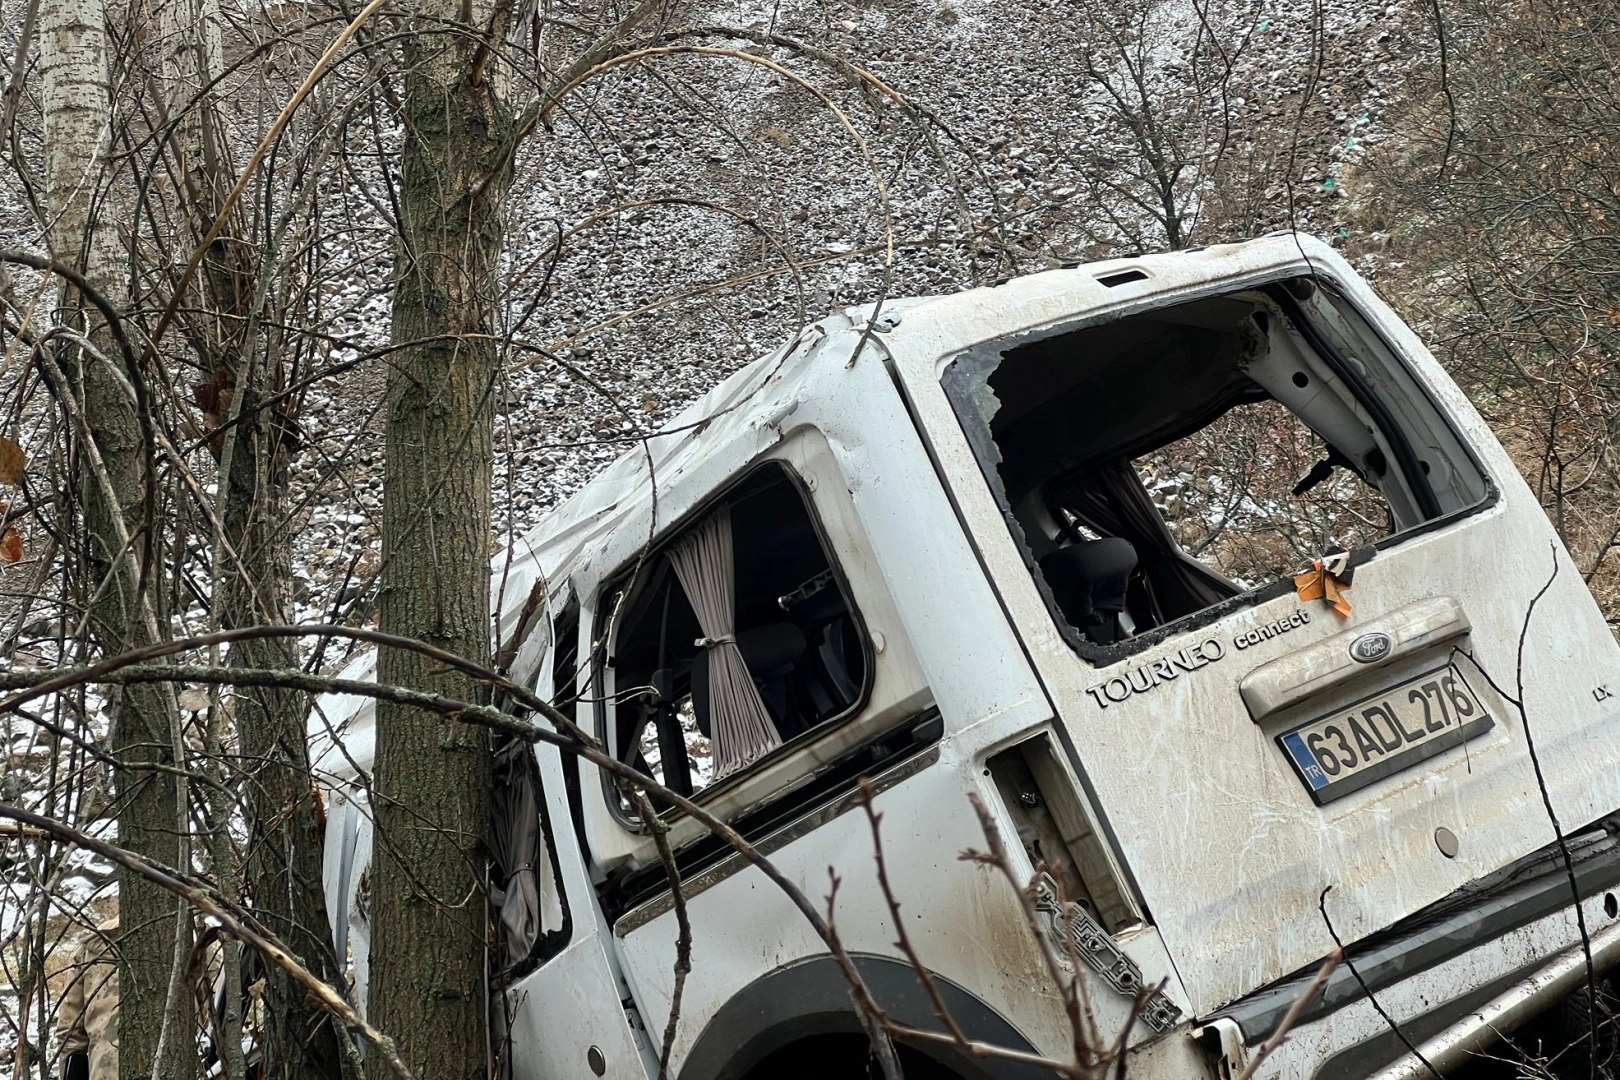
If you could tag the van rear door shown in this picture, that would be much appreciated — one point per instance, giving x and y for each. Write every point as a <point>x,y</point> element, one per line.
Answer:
<point>1268,762</point>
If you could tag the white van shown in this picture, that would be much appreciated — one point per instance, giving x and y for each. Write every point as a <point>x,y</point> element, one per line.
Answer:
<point>1039,542</point>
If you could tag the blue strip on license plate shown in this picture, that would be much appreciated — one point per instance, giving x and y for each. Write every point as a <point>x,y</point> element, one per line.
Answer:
<point>1384,733</point>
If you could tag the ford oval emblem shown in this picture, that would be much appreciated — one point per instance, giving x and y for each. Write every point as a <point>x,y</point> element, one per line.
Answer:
<point>1371,648</point>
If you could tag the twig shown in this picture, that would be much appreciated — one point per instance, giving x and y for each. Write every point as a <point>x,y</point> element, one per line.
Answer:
<point>924,976</point>
<point>1552,815</point>
<point>567,737</point>
<point>872,1016</point>
<point>1321,905</point>
<point>40,683</point>
<point>997,857</point>
<point>1451,101</point>
<point>270,138</point>
<point>1516,699</point>
<point>236,922</point>
<point>683,934</point>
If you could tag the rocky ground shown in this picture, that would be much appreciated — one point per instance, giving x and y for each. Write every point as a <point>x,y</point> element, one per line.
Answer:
<point>675,218</point>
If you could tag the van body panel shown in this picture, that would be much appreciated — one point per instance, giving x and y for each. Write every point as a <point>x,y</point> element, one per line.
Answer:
<point>572,1001</point>
<point>1354,1041</point>
<point>1230,853</point>
<point>875,479</point>
<point>567,1007</point>
<point>1225,860</point>
<point>964,920</point>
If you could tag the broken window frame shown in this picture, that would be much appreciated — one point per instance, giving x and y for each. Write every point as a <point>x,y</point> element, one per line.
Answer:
<point>560,622</point>
<point>629,580</point>
<point>956,382</point>
<point>547,943</point>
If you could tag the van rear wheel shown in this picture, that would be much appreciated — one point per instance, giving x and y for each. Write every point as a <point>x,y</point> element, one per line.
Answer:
<point>843,1057</point>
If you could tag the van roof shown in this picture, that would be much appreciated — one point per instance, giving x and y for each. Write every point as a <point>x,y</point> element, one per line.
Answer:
<point>728,413</point>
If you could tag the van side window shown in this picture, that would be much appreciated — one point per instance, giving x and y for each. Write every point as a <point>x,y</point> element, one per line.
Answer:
<point>531,914</point>
<point>1158,464</point>
<point>526,896</point>
<point>736,638</point>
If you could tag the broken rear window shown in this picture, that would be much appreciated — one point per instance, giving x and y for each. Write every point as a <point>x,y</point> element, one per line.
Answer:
<point>1156,465</point>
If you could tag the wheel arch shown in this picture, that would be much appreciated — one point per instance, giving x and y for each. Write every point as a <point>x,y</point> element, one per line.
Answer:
<point>810,998</point>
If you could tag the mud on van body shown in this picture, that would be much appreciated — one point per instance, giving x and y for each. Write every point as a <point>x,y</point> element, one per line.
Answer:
<point>1038,542</point>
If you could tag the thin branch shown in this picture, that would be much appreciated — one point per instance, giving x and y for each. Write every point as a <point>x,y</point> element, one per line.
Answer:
<point>1291,1017</point>
<point>568,738</point>
<point>683,934</point>
<point>236,921</point>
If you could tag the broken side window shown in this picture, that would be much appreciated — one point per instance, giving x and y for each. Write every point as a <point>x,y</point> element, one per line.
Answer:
<point>1155,465</point>
<point>529,908</point>
<point>737,637</point>
<point>531,915</point>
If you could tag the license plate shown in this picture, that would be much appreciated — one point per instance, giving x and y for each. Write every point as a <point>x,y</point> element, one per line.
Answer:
<point>1384,733</point>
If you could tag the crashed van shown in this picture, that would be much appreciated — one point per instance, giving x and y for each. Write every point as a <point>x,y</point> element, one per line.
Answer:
<point>1195,568</point>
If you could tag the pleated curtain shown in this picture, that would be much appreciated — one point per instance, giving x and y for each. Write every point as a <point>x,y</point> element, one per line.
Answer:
<point>738,720</point>
<point>515,840</point>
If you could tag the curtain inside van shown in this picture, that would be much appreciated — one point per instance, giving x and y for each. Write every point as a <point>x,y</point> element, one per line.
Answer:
<point>524,892</point>
<point>705,564</point>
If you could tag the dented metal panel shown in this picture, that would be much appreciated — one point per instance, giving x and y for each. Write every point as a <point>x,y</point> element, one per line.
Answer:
<point>1172,749</point>
<point>1230,853</point>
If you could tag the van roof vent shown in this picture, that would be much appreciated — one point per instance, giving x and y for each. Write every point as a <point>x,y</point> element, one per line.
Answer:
<point>1122,277</point>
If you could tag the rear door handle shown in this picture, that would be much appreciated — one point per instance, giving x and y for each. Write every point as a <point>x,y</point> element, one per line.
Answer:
<point>1305,672</point>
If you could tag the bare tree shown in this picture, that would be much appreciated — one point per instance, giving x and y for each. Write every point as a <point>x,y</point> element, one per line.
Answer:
<point>1498,188</point>
<point>117,491</point>
<point>244,370</point>
<point>432,780</point>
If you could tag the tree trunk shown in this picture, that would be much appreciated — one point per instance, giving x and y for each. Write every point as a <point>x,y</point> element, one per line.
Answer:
<point>253,567</point>
<point>112,486</point>
<point>430,926</point>
<point>285,833</point>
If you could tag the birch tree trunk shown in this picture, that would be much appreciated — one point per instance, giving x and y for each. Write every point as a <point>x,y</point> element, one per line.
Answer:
<point>430,915</point>
<point>112,489</point>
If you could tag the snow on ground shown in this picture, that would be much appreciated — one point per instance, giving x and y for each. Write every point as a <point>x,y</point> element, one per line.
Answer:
<point>709,205</point>
<point>1005,79</point>
<point>670,178</point>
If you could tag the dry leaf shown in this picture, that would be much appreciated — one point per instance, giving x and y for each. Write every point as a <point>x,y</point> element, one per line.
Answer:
<point>12,462</point>
<point>1333,592</point>
<point>1320,583</point>
<point>11,546</point>
<point>1308,585</point>
<point>214,399</point>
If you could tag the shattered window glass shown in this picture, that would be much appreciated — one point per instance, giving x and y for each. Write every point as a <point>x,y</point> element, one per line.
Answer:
<point>1159,464</point>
